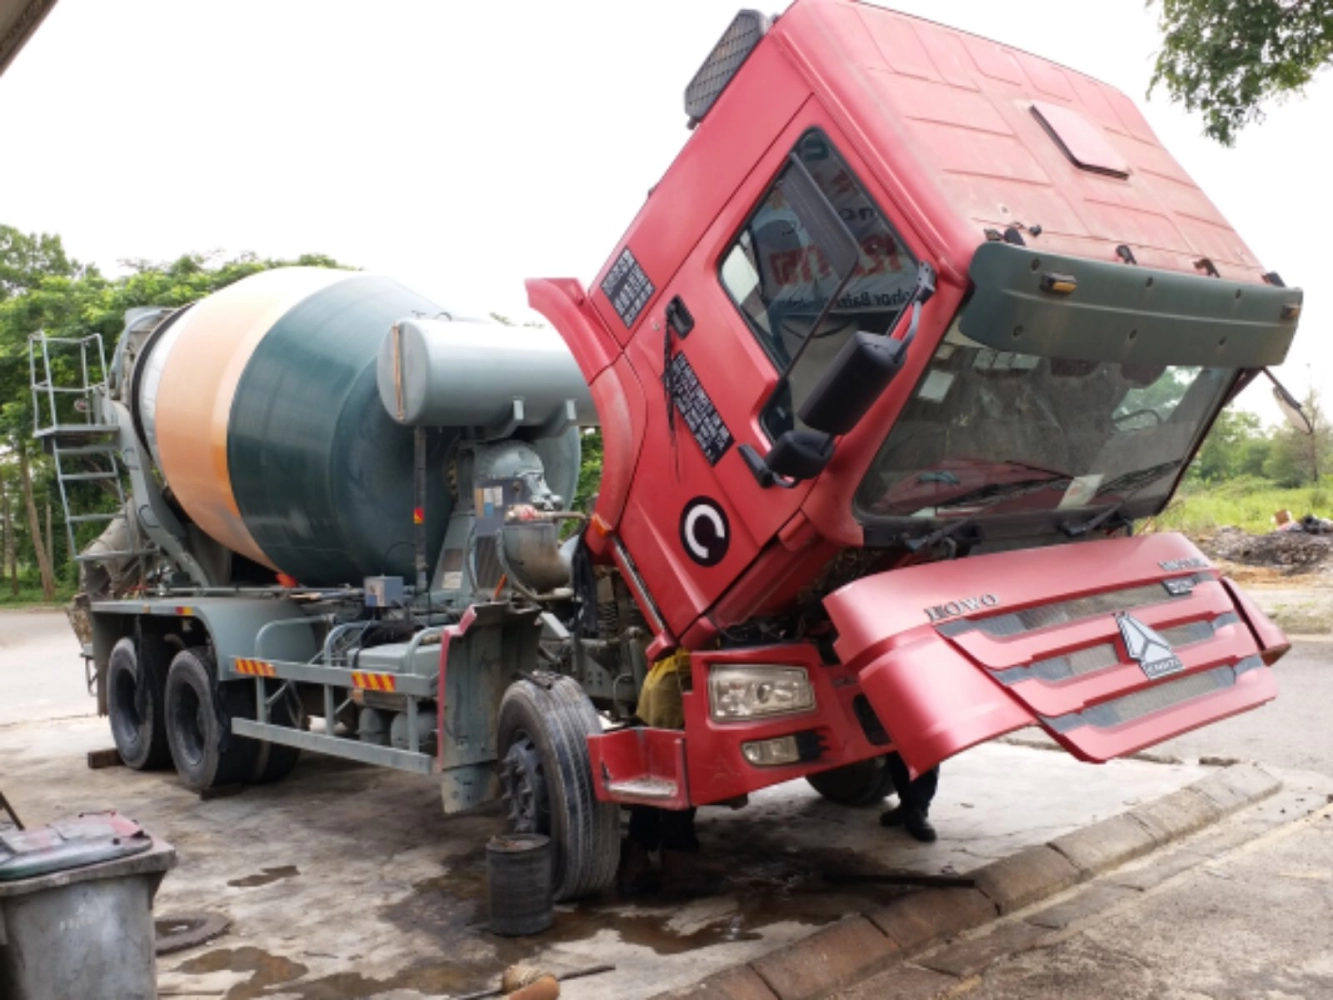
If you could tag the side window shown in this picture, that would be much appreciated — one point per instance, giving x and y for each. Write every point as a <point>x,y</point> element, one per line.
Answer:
<point>779,279</point>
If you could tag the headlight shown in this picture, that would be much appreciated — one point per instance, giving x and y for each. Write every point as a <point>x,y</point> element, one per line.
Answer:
<point>749,692</point>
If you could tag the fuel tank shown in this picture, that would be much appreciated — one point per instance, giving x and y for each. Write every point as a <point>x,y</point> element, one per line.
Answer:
<point>260,407</point>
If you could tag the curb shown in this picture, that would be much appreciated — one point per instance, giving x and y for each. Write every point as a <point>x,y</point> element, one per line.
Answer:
<point>865,944</point>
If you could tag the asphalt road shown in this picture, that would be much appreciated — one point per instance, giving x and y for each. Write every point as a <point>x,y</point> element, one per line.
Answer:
<point>1290,732</point>
<point>41,671</point>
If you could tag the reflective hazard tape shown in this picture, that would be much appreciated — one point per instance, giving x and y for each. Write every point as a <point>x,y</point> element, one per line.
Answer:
<point>373,682</point>
<point>254,668</point>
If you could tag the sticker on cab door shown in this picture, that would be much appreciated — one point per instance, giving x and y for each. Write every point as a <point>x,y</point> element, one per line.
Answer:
<point>704,531</point>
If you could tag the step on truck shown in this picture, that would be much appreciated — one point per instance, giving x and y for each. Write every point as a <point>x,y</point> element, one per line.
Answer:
<point>909,337</point>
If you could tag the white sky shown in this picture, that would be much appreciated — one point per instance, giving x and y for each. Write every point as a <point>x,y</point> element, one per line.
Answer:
<point>462,145</point>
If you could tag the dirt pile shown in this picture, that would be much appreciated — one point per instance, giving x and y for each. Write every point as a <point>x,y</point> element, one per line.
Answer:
<point>1287,551</point>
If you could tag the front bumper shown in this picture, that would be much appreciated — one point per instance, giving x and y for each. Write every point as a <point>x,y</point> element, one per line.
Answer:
<point>936,658</point>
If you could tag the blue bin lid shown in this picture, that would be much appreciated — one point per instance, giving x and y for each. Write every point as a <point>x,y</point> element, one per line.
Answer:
<point>88,839</point>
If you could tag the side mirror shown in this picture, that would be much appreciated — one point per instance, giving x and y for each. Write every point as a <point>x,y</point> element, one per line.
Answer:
<point>1290,406</point>
<point>797,455</point>
<point>862,370</point>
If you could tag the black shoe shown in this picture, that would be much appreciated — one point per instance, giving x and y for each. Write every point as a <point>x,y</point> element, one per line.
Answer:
<point>914,821</point>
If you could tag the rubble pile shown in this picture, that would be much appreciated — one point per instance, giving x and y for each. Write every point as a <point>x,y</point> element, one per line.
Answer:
<point>1289,551</point>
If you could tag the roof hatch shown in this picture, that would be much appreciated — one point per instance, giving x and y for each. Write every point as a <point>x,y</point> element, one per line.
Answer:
<point>1080,140</point>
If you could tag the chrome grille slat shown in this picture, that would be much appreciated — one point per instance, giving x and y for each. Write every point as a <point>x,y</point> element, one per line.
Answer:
<point>1104,655</point>
<point>1167,694</point>
<point>1014,623</point>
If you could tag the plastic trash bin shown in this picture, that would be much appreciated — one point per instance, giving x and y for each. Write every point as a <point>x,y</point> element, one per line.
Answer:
<point>76,909</point>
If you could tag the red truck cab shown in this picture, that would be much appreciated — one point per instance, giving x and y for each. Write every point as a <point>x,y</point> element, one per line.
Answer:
<point>906,338</point>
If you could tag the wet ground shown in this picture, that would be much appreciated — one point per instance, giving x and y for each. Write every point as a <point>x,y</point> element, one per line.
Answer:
<point>348,881</point>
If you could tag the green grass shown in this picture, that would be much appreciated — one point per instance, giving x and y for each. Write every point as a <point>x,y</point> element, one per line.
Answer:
<point>30,595</point>
<point>1248,503</point>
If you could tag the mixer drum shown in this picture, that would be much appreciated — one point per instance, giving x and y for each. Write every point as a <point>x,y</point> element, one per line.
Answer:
<point>260,407</point>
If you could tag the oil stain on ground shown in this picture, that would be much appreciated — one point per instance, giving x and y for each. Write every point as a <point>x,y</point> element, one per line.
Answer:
<point>265,876</point>
<point>266,970</point>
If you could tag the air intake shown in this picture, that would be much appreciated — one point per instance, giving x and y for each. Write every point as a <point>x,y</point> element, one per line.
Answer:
<point>731,51</point>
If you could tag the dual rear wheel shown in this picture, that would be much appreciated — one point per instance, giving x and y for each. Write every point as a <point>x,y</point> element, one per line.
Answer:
<point>172,709</point>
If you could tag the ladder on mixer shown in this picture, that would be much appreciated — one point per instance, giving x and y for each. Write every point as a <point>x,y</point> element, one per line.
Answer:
<point>66,418</point>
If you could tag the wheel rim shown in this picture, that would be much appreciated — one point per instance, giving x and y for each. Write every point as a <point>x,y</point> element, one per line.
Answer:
<point>524,783</point>
<point>190,724</point>
<point>126,722</point>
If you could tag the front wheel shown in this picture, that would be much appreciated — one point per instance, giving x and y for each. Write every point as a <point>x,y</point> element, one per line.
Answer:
<point>865,783</point>
<point>199,712</point>
<point>548,782</point>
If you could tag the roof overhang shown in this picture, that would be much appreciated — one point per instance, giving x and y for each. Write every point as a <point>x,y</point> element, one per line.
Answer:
<point>18,20</point>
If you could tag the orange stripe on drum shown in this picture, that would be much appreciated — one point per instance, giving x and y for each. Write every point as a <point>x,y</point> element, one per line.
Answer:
<point>209,349</point>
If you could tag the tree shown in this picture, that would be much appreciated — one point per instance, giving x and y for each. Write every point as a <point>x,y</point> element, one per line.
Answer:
<point>1226,58</point>
<point>1299,458</point>
<point>1229,449</point>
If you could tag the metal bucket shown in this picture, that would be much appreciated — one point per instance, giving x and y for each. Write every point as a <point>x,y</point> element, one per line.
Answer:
<point>518,871</point>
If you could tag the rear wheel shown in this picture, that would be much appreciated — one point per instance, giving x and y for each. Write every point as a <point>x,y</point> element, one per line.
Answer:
<point>136,679</point>
<point>274,761</point>
<point>865,783</point>
<point>199,713</point>
<point>548,782</point>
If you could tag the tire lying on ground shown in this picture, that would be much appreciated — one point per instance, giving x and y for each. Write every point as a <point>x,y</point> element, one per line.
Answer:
<point>135,684</point>
<point>198,722</point>
<point>865,783</point>
<point>548,781</point>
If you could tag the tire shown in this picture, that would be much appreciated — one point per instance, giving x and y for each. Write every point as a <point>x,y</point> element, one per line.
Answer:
<point>274,761</point>
<point>198,716</point>
<point>136,681</point>
<point>543,748</point>
<point>863,784</point>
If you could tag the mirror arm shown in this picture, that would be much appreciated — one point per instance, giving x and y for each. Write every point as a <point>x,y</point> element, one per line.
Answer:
<point>765,476</point>
<point>925,289</point>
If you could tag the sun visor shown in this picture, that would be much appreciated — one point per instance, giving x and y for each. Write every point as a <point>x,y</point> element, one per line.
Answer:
<point>1052,305</point>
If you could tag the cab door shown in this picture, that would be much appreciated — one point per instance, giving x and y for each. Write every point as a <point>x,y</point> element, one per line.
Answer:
<point>727,357</point>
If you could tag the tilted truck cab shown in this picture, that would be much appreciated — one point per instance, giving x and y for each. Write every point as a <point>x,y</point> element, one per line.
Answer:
<point>944,573</point>
<point>908,337</point>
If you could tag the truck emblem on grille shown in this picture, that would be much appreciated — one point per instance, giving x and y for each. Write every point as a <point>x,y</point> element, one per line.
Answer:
<point>962,606</point>
<point>1144,645</point>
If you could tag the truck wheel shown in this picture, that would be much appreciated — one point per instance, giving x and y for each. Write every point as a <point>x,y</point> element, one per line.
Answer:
<point>865,783</point>
<point>274,761</point>
<point>199,712</point>
<point>548,782</point>
<point>135,682</point>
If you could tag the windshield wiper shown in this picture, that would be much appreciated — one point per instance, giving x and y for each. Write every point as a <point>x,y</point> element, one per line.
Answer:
<point>930,538</point>
<point>993,493</point>
<point>1136,482</point>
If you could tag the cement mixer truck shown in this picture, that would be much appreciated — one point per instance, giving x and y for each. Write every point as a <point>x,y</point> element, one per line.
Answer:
<point>909,336</point>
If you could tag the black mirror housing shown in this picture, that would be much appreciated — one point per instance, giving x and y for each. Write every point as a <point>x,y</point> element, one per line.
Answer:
<point>863,369</point>
<point>797,455</point>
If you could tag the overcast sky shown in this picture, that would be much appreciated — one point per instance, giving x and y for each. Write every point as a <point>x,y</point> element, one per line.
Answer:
<point>463,146</point>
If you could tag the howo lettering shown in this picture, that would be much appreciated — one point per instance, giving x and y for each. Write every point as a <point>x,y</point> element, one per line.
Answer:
<point>911,332</point>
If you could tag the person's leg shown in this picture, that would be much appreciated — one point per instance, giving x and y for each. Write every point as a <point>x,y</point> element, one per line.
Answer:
<point>678,831</point>
<point>914,799</point>
<point>635,874</point>
<point>683,872</point>
<point>919,793</point>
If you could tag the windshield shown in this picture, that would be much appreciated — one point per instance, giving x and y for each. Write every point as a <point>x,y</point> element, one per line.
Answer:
<point>989,432</point>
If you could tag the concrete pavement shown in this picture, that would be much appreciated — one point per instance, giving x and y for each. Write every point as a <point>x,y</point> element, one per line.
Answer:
<point>1243,911</point>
